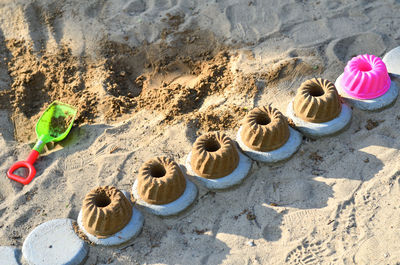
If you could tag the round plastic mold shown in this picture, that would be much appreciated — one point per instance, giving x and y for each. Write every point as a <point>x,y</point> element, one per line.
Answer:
<point>365,77</point>
<point>392,61</point>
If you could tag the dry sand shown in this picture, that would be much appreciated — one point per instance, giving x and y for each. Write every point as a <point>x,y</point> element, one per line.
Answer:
<point>149,76</point>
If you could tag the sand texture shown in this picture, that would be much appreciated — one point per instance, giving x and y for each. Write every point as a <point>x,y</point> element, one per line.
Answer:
<point>149,77</point>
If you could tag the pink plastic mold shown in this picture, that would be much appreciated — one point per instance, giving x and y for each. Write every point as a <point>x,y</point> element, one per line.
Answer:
<point>365,77</point>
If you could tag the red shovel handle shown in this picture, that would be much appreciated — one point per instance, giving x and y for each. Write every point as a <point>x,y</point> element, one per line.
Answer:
<point>27,164</point>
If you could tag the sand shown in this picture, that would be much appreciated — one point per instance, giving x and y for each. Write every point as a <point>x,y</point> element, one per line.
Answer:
<point>148,77</point>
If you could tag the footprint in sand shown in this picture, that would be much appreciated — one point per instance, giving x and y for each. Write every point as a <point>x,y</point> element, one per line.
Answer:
<point>308,253</point>
<point>136,7</point>
<point>370,252</point>
<point>292,13</point>
<point>299,32</point>
<point>93,10</point>
<point>251,22</point>
<point>346,48</point>
<point>288,192</point>
<point>272,233</point>
<point>299,193</point>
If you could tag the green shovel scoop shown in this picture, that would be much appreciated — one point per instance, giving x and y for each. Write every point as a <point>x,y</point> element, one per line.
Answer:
<point>53,126</point>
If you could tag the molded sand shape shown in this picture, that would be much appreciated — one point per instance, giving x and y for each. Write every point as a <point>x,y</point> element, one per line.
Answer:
<point>161,187</point>
<point>216,162</point>
<point>365,83</point>
<point>265,136</point>
<point>392,61</point>
<point>317,111</point>
<point>108,218</point>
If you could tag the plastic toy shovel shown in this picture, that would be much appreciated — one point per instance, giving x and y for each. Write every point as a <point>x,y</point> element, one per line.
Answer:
<point>53,126</point>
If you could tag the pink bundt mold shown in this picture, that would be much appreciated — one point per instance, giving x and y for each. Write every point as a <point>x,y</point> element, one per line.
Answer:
<point>365,77</point>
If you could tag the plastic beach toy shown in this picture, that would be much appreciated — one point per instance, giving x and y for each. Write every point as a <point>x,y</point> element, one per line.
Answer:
<point>365,77</point>
<point>53,126</point>
<point>392,61</point>
<point>365,83</point>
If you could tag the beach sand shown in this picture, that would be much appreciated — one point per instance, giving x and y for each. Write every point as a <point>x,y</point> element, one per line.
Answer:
<point>148,77</point>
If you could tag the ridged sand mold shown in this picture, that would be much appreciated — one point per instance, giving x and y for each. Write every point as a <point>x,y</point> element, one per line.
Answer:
<point>105,211</point>
<point>161,187</point>
<point>214,155</point>
<point>317,101</point>
<point>265,136</point>
<point>216,162</point>
<point>317,109</point>
<point>160,181</point>
<point>265,129</point>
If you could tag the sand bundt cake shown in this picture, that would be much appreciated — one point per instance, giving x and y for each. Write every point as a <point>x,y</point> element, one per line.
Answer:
<point>214,155</point>
<point>265,129</point>
<point>317,101</point>
<point>160,181</point>
<point>105,211</point>
<point>365,77</point>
